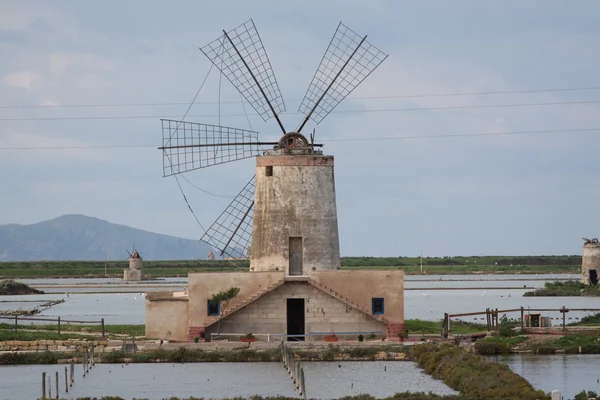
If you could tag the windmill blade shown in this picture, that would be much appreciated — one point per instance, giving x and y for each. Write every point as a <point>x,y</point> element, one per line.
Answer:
<point>348,60</point>
<point>231,233</point>
<point>189,146</point>
<point>240,55</point>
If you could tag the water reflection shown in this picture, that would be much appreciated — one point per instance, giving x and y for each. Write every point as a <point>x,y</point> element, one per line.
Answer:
<point>569,373</point>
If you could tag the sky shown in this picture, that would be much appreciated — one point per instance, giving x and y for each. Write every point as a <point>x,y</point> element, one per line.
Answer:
<point>76,75</point>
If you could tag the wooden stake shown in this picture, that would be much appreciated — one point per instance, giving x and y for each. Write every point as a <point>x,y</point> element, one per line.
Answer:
<point>43,386</point>
<point>56,379</point>
<point>66,381</point>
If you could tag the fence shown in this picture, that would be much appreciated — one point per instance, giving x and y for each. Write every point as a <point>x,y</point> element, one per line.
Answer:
<point>88,361</point>
<point>271,337</point>
<point>294,368</point>
<point>58,321</point>
<point>492,316</point>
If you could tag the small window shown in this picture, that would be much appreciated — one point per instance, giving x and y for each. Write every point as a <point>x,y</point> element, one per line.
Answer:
<point>214,309</point>
<point>377,305</point>
<point>269,170</point>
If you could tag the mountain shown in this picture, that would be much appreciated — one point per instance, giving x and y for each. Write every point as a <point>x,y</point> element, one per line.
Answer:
<point>78,237</point>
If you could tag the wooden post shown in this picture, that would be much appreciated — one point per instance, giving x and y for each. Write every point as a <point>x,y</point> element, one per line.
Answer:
<point>16,322</point>
<point>564,313</point>
<point>83,362</point>
<point>522,318</point>
<point>49,387</point>
<point>59,325</point>
<point>93,357</point>
<point>43,386</point>
<point>102,328</point>
<point>56,381</point>
<point>66,381</point>
<point>303,385</point>
<point>72,372</point>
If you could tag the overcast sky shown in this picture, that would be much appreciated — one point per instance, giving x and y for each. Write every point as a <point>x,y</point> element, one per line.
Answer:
<point>466,195</point>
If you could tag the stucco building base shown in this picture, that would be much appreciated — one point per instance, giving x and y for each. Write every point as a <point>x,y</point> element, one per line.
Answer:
<point>334,301</point>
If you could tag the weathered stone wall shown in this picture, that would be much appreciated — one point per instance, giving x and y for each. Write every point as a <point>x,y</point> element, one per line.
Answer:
<point>590,261</point>
<point>297,200</point>
<point>167,314</point>
<point>202,286</point>
<point>323,313</point>
<point>52,345</point>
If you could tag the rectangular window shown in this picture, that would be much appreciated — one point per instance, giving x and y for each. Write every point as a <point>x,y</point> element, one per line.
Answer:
<point>269,170</point>
<point>214,309</point>
<point>377,305</point>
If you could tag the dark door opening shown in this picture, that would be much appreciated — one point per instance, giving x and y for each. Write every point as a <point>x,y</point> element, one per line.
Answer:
<point>593,277</point>
<point>295,256</point>
<point>295,319</point>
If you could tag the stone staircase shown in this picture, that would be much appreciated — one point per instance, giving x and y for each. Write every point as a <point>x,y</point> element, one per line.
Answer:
<point>346,300</point>
<point>234,306</point>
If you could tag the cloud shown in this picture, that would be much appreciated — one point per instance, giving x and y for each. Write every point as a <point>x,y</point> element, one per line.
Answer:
<point>27,80</point>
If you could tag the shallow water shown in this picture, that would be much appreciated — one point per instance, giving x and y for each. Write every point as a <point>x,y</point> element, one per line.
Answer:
<point>217,380</point>
<point>129,308</point>
<point>569,373</point>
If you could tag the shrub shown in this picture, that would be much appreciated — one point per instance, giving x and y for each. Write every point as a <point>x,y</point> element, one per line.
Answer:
<point>472,375</point>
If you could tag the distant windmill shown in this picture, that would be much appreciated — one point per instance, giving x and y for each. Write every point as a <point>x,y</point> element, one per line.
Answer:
<point>292,197</point>
<point>135,270</point>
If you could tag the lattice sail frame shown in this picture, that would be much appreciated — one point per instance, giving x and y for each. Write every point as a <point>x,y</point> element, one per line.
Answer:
<point>235,65</point>
<point>348,60</point>
<point>188,146</point>
<point>231,233</point>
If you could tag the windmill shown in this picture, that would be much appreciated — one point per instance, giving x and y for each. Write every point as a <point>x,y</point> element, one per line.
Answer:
<point>286,213</point>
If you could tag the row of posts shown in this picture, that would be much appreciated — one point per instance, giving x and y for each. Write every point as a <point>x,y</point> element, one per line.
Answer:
<point>294,368</point>
<point>88,362</point>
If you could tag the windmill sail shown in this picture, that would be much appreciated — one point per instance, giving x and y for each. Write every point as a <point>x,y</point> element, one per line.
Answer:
<point>231,233</point>
<point>240,55</point>
<point>188,146</point>
<point>348,60</point>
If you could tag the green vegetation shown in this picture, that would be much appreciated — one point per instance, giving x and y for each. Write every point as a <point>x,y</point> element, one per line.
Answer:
<point>184,355</point>
<point>570,344</point>
<point>222,299</point>
<point>472,375</point>
<point>10,287</point>
<point>68,331</point>
<point>410,265</point>
<point>566,288</point>
<point>38,335</point>
<point>417,326</point>
<point>588,320</point>
<point>42,357</point>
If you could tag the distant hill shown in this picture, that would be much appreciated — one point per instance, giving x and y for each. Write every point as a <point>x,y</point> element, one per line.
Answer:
<point>78,237</point>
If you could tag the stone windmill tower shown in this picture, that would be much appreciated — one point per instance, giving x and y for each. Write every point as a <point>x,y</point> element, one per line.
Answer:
<point>285,218</point>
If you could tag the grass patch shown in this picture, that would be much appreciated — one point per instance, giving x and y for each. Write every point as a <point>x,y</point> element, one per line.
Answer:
<point>410,265</point>
<point>130,330</point>
<point>588,320</point>
<point>10,287</point>
<point>417,326</point>
<point>565,289</point>
<point>39,335</point>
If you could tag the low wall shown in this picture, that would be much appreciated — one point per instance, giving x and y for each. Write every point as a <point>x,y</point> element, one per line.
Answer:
<point>52,345</point>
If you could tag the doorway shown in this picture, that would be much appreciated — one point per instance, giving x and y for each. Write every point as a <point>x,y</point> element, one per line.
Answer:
<point>295,256</point>
<point>295,319</point>
<point>593,277</point>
